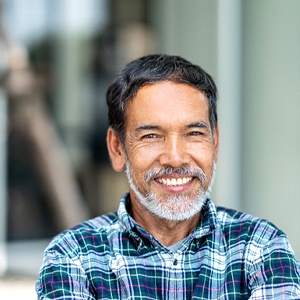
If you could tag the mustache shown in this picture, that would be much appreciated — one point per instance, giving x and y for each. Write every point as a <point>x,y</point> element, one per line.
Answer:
<point>183,170</point>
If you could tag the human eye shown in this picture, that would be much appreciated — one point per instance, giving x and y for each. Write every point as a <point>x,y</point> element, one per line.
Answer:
<point>197,129</point>
<point>149,136</point>
<point>195,133</point>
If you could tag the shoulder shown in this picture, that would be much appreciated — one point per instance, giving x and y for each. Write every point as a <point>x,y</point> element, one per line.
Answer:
<point>256,239</point>
<point>267,260</point>
<point>86,236</point>
<point>247,228</point>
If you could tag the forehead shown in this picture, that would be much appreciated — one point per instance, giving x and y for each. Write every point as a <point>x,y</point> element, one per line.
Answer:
<point>167,101</point>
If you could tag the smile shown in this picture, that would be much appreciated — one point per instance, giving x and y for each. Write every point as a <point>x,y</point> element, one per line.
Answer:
<point>174,181</point>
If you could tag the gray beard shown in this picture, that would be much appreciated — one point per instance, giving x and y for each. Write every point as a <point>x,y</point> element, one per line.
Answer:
<point>176,207</point>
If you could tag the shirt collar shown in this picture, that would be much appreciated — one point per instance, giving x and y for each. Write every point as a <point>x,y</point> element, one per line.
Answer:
<point>139,236</point>
<point>208,221</point>
<point>124,217</point>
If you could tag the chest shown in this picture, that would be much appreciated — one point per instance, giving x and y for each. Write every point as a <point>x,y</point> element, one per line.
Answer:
<point>165,275</point>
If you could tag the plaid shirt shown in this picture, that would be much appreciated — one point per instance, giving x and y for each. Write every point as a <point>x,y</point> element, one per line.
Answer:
<point>230,255</point>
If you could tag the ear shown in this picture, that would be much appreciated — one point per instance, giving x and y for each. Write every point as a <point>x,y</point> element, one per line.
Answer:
<point>216,142</point>
<point>115,150</point>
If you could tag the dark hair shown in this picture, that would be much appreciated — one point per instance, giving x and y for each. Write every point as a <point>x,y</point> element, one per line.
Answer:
<point>151,69</point>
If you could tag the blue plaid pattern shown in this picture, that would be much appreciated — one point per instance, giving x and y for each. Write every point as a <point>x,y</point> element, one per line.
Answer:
<point>230,255</point>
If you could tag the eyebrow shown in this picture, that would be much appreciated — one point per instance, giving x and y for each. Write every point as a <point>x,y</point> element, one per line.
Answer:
<point>198,125</point>
<point>156,127</point>
<point>147,127</point>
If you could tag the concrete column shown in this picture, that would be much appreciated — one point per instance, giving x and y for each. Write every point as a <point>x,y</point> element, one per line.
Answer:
<point>227,187</point>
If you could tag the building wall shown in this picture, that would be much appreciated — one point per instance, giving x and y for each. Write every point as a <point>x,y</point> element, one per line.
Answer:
<point>271,92</point>
<point>255,61</point>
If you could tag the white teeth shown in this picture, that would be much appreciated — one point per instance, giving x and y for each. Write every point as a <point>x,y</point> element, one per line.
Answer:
<point>174,181</point>
<point>179,181</point>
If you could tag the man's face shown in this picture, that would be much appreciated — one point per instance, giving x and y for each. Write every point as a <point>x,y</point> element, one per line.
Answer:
<point>170,149</point>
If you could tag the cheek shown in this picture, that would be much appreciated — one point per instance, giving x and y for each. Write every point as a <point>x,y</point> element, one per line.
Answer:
<point>142,156</point>
<point>203,151</point>
<point>204,157</point>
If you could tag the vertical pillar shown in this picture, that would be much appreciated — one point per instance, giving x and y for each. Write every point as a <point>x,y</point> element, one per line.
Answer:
<point>227,189</point>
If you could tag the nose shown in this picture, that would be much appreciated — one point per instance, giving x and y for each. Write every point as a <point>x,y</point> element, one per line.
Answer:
<point>174,152</point>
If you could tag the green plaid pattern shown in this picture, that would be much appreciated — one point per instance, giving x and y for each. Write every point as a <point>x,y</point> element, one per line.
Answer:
<point>230,255</point>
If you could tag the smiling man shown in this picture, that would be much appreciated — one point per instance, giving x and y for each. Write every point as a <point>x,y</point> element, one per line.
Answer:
<point>169,151</point>
<point>168,240</point>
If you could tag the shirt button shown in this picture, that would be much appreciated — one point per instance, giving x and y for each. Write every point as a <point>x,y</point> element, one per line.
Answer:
<point>175,262</point>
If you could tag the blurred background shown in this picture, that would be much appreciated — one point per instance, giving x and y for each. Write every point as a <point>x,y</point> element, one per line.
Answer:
<point>57,58</point>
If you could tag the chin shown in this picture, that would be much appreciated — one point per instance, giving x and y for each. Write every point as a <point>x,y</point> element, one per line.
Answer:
<point>173,208</point>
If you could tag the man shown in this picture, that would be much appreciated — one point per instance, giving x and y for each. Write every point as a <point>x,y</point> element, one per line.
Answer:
<point>168,240</point>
